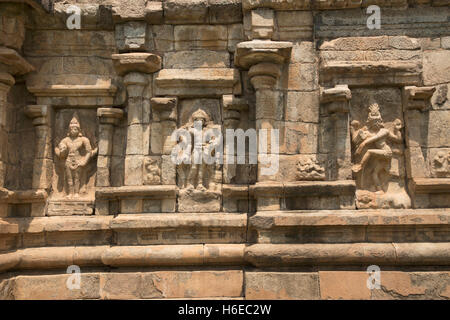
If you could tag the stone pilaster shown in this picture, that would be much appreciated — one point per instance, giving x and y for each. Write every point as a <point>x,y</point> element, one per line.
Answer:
<point>43,159</point>
<point>233,107</point>
<point>108,118</point>
<point>164,123</point>
<point>6,82</point>
<point>416,106</point>
<point>135,149</point>
<point>336,101</point>
<point>264,59</point>
<point>416,103</point>
<point>137,69</point>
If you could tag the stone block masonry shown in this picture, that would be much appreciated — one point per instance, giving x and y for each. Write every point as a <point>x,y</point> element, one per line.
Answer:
<point>361,117</point>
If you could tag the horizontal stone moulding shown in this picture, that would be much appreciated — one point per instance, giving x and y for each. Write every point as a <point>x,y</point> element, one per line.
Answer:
<point>430,185</point>
<point>350,226</point>
<point>321,218</point>
<point>235,191</point>
<point>304,188</point>
<point>121,222</point>
<point>196,82</point>
<point>365,73</point>
<point>184,220</point>
<point>389,254</point>
<point>54,224</point>
<point>123,256</point>
<point>25,196</point>
<point>62,90</point>
<point>115,193</point>
<point>323,4</point>
<point>125,229</point>
<point>258,255</point>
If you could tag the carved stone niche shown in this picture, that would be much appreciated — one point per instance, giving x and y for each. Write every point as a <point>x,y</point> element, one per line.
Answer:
<point>74,170</point>
<point>378,148</point>
<point>199,180</point>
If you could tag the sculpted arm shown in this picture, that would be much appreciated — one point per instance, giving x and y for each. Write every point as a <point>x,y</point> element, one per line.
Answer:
<point>61,149</point>
<point>396,135</point>
<point>89,152</point>
<point>382,134</point>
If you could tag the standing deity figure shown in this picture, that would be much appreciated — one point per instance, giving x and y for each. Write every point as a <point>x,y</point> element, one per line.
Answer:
<point>372,152</point>
<point>76,150</point>
<point>199,172</point>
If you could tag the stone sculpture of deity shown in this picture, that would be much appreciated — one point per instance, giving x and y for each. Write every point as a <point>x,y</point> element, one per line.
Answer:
<point>373,154</point>
<point>199,174</point>
<point>76,151</point>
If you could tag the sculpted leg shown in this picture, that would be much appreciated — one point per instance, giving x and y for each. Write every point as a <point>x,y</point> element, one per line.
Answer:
<point>192,175</point>
<point>201,172</point>
<point>76,181</point>
<point>69,180</point>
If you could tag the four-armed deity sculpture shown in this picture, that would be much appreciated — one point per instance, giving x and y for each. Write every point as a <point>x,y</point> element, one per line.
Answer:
<point>379,184</point>
<point>373,154</point>
<point>76,151</point>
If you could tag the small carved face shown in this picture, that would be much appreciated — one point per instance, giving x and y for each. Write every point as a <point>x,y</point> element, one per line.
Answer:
<point>62,147</point>
<point>355,125</point>
<point>440,157</point>
<point>374,119</point>
<point>150,162</point>
<point>201,120</point>
<point>74,131</point>
<point>398,124</point>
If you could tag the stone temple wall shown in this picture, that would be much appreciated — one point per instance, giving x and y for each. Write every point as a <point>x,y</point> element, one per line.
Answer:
<point>362,176</point>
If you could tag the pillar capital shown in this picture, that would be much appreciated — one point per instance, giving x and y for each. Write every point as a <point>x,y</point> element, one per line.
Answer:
<point>166,108</point>
<point>253,52</point>
<point>6,80</point>
<point>109,115</point>
<point>336,98</point>
<point>14,63</point>
<point>136,62</point>
<point>263,59</point>
<point>232,108</point>
<point>417,98</point>
<point>39,114</point>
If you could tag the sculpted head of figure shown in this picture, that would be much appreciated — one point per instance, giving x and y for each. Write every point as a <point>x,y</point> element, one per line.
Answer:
<point>440,157</point>
<point>201,116</point>
<point>74,127</point>
<point>374,119</point>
